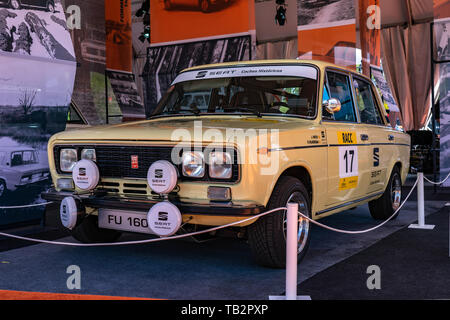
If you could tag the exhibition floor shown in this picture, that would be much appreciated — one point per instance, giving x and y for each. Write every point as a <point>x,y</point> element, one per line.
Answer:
<point>414,264</point>
<point>414,261</point>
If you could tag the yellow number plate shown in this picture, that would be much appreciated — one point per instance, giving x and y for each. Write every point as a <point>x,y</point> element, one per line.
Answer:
<point>348,183</point>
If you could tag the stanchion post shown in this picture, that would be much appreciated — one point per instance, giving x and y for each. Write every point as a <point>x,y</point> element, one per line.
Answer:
<point>421,205</point>
<point>291,251</point>
<point>291,255</point>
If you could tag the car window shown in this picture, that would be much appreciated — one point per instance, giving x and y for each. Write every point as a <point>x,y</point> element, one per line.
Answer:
<point>339,88</point>
<point>367,107</point>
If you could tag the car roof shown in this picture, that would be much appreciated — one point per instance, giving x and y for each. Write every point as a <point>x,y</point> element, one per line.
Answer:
<point>318,63</point>
<point>15,148</point>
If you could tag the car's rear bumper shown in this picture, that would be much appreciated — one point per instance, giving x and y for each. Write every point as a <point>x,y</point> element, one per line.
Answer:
<point>205,208</point>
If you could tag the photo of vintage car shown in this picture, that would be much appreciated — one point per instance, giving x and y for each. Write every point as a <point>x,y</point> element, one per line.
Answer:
<point>48,5</point>
<point>203,5</point>
<point>20,168</point>
<point>235,140</point>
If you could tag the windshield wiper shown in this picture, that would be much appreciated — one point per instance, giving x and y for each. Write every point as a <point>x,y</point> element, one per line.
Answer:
<point>251,110</point>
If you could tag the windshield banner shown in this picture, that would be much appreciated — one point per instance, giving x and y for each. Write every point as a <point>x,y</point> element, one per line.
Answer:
<point>253,71</point>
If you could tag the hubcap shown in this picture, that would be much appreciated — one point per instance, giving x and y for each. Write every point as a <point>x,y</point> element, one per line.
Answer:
<point>15,4</point>
<point>2,189</point>
<point>303,224</point>
<point>396,192</point>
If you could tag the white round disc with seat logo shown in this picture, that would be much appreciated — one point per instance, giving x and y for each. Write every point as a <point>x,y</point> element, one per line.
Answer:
<point>68,212</point>
<point>86,175</point>
<point>164,219</point>
<point>162,177</point>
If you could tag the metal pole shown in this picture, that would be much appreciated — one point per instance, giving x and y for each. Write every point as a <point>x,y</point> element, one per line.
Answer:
<point>106,97</point>
<point>420,200</point>
<point>433,108</point>
<point>291,251</point>
<point>421,205</point>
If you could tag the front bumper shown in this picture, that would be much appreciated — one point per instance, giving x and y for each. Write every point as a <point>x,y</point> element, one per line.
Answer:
<point>101,200</point>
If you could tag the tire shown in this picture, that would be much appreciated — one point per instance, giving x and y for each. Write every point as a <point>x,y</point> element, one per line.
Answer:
<point>267,236</point>
<point>50,7</point>
<point>384,207</point>
<point>89,232</point>
<point>15,4</point>
<point>205,6</point>
<point>3,189</point>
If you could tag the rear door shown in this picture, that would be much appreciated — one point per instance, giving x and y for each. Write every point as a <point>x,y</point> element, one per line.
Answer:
<point>378,135</point>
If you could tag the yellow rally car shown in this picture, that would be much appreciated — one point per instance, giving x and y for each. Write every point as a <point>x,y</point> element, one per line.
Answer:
<point>229,141</point>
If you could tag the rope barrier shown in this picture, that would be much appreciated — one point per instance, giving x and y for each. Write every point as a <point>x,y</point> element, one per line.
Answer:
<point>437,183</point>
<point>210,230</point>
<point>26,206</point>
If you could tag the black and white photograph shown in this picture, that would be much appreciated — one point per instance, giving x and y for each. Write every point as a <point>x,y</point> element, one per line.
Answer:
<point>127,96</point>
<point>442,38</point>
<point>385,90</point>
<point>312,12</point>
<point>37,74</point>
<point>163,63</point>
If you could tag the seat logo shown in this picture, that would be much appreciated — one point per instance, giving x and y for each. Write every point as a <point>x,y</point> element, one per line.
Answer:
<point>163,216</point>
<point>82,172</point>
<point>159,173</point>
<point>134,162</point>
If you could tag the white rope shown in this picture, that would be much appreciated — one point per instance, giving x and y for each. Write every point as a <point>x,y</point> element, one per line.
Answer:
<point>209,230</point>
<point>141,241</point>
<point>437,183</point>
<point>26,206</point>
<point>367,230</point>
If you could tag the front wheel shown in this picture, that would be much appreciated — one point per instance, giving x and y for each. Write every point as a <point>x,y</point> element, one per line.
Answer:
<point>384,207</point>
<point>89,232</point>
<point>267,236</point>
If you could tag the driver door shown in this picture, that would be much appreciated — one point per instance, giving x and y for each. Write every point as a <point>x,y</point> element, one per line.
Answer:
<point>345,147</point>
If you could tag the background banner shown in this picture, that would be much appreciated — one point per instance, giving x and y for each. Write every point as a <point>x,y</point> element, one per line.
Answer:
<point>37,74</point>
<point>119,59</point>
<point>164,63</point>
<point>175,20</point>
<point>327,31</point>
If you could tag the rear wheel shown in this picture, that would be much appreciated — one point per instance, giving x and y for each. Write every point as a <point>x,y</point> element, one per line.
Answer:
<point>267,236</point>
<point>89,232</point>
<point>384,207</point>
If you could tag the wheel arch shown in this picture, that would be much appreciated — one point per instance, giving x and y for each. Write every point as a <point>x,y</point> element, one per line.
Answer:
<point>301,172</point>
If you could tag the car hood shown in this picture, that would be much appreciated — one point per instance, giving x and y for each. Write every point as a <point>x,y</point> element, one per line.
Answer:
<point>195,129</point>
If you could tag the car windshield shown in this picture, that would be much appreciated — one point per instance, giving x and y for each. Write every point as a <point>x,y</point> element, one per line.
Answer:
<point>259,95</point>
<point>21,158</point>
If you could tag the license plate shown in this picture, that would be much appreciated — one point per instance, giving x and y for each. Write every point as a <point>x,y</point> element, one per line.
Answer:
<point>122,220</point>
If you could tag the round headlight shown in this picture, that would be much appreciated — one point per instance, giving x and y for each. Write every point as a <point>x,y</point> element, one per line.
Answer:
<point>220,165</point>
<point>89,154</point>
<point>193,164</point>
<point>67,159</point>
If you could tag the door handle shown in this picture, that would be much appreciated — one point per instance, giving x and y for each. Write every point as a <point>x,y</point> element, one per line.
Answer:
<point>390,137</point>
<point>364,137</point>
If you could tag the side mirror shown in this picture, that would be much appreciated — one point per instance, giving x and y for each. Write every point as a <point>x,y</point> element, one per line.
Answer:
<point>332,105</point>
